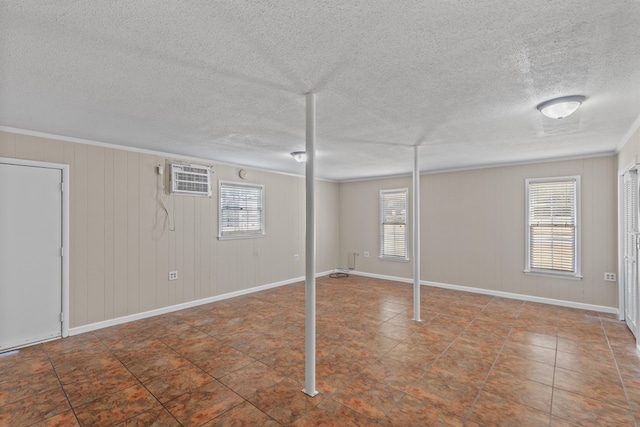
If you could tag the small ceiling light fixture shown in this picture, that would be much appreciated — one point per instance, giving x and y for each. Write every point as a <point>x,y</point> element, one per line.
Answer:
<point>562,107</point>
<point>299,156</point>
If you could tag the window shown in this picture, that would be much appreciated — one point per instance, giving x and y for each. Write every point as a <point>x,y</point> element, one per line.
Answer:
<point>393,228</point>
<point>241,210</point>
<point>553,226</point>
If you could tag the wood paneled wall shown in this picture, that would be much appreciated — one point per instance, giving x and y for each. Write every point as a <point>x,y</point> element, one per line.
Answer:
<point>122,249</point>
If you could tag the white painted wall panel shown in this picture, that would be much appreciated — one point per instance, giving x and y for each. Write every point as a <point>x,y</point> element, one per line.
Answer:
<point>109,238</point>
<point>133,236</point>
<point>147,206</point>
<point>79,237</point>
<point>120,233</point>
<point>95,179</point>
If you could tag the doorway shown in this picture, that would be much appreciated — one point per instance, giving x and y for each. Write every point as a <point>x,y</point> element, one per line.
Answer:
<point>33,252</point>
<point>629,246</point>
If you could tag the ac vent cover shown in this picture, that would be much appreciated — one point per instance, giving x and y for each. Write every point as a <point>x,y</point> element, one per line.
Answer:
<point>190,179</point>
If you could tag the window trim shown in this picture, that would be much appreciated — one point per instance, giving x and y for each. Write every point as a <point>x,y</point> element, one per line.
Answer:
<point>382,257</point>
<point>239,235</point>
<point>573,275</point>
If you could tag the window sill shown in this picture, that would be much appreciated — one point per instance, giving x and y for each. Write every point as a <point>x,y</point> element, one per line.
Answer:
<point>242,236</point>
<point>394,259</point>
<point>553,275</point>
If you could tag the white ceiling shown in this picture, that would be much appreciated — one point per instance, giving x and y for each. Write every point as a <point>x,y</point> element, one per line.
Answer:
<point>225,80</point>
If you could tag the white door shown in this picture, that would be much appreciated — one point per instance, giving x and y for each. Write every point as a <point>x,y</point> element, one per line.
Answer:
<point>630,230</point>
<point>30,255</point>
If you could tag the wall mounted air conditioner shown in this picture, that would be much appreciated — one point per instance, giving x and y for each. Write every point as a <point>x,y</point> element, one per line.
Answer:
<point>190,179</point>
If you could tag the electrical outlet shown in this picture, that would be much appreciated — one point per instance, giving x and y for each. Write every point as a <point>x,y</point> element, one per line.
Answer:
<point>296,257</point>
<point>366,254</point>
<point>610,277</point>
<point>173,275</point>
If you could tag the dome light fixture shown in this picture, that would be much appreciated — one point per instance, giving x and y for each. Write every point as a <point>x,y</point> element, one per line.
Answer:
<point>562,107</point>
<point>299,156</point>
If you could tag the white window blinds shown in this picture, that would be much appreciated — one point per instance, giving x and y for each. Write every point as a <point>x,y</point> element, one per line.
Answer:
<point>393,230</point>
<point>552,211</point>
<point>241,210</point>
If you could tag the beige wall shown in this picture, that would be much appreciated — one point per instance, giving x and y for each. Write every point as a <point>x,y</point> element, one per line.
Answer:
<point>473,229</point>
<point>121,250</point>
<point>360,228</point>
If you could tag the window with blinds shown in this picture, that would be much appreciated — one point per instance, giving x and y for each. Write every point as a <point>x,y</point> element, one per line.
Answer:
<point>241,210</point>
<point>393,227</point>
<point>552,226</point>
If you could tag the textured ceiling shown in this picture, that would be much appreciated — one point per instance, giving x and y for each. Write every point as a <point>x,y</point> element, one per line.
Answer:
<point>225,80</point>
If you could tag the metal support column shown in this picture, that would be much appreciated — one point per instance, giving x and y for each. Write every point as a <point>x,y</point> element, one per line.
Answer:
<point>416,234</point>
<point>310,248</point>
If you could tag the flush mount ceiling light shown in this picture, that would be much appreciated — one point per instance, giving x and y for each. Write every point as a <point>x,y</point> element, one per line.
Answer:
<point>299,156</point>
<point>562,107</point>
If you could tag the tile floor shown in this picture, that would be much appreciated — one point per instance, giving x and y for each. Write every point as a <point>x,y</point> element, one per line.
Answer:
<point>475,360</point>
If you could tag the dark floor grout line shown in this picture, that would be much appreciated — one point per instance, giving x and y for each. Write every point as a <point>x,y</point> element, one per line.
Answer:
<point>155,336</point>
<point>553,379</point>
<point>134,376</point>
<point>473,404</point>
<point>615,361</point>
<point>360,370</point>
<point>53,368</point>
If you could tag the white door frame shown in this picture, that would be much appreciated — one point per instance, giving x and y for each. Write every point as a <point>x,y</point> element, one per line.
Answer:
<point>621,250</point>
<point>65,228</point>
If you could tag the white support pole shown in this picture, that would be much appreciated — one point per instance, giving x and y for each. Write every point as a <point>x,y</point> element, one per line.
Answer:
<point>416,234</point>
<point>310,251</point>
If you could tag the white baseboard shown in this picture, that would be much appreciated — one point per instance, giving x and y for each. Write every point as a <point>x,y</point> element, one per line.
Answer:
<point>124,319</point>
<point>522,297</point>
<point>379,276</point>
<point>138,316</point>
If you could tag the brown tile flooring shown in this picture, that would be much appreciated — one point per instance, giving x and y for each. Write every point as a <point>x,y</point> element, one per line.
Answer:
<point>475,360</point>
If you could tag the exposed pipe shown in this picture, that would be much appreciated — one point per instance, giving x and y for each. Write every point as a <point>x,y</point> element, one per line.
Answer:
<point>310,251</point>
